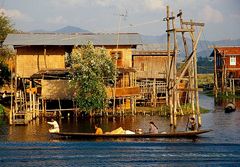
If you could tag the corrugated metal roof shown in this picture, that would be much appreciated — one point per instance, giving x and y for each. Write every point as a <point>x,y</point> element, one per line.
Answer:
<point>72,39</point>
<point>227,50</point>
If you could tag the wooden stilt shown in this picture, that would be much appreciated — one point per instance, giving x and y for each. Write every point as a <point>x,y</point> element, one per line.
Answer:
<point>196,82</point>
<point>215,72</point>
<point>190,65</point>
<point>169,71</point>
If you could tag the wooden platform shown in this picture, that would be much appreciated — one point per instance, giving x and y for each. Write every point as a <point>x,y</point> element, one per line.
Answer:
<point>179,134</point>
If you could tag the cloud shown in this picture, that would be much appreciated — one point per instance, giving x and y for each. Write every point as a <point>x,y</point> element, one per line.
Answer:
<point>67,3</point>
<point>235,16</point>
<point>15,14</point>
<point>154,4</point>
<point>208,14</point>
<point>135,5</point>
<point>57,20</point>
<point>104,2</point>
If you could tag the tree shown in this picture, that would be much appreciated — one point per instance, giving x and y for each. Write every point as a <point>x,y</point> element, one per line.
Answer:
<point>92,71</point>
<point>6,27</point>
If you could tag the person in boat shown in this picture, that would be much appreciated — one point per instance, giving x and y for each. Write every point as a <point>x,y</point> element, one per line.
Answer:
<point>192,124</point>
<point>99,131</point>
<point>55,126</point>
<point>153,128</point>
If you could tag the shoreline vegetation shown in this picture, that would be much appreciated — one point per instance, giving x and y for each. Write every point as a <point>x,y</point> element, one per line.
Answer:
<point>164,110</point>
<point>205,81</point>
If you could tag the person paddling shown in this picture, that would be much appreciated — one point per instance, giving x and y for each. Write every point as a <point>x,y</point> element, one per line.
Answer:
<point>192,124</point>
<point>55,128</point>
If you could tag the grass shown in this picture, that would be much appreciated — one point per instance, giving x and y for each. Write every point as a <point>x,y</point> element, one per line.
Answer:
<point>204,79</point>
<point>164,110</point>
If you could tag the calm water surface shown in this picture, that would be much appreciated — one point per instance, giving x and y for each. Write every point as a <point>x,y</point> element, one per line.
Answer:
<point>32,145</point>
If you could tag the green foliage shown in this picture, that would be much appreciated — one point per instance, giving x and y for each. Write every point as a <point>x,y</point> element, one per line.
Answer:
<point>5,74</point>
<point>92,71</point>
<point>6,27</point>
<point>164,110</point>
<point>1,109</point>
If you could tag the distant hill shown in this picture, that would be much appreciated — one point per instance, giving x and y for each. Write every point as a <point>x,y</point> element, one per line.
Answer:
<point>67,29</point>
<point>204,46</point>
<point>204,49</point>
<point>71,29</point>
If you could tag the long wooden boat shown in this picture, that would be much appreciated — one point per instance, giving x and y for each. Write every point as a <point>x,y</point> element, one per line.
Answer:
<point>178,134</point>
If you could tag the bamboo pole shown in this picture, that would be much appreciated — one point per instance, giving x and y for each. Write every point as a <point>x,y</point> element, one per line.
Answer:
<point>154,93</point>
<point>215,72</point>
<point>15,99</point>
<point>223,74</point>
<point>196,82</point>
<point>189,60</point>
<point>60,107</point>
<point>30,97</point>
<point>233,87</point>
<point>169,91</point>
<point>11,109</point>
<point>186,54</point>
<point>174,74</point>
<point>191,75</point>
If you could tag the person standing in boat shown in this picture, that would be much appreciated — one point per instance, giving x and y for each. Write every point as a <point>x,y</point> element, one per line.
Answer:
<point>55,128</point>
<point>153,128</point>
<point>192,124</point>
<point>98,130</point>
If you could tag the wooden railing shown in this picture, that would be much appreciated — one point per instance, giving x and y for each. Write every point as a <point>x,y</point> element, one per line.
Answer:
<point>123,92</point>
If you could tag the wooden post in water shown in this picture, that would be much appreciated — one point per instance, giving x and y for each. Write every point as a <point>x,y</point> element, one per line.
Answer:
<point>215,72</point>
<point>195,79</point>
<point>154,93</point>
<point>190,65</point>
<point>11,107</point>
<point>169,91</point>
<point>174,89</point>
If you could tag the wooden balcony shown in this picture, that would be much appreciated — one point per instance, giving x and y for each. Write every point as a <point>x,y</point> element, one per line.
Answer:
<point>123,92</point>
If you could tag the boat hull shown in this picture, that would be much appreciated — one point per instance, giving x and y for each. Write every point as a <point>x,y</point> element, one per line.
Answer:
<point>145,135</point>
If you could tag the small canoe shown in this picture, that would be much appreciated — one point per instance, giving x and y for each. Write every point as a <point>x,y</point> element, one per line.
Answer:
<point>179,134</point>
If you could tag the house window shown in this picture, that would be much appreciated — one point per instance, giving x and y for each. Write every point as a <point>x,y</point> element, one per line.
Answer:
<point>232,60</point>
<point>119,56</point>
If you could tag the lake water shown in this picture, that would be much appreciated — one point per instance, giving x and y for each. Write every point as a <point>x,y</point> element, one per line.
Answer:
<point>32,145</point>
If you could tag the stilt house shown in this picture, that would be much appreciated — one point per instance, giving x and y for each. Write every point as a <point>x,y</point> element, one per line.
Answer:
<point>42,58</point>
<point>151,65</point>
<point>226,68</point>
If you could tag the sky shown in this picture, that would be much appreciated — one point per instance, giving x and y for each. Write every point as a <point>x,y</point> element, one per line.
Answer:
<point>221,17</point>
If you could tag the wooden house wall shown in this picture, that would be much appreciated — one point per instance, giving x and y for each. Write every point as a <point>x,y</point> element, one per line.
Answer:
<point>31,59</point>
<point>126,55</point>
<point>227,60</point>
<point>229,68</point>
<point>150,66</point>
<point>56,89</point>
<point>125,80</point>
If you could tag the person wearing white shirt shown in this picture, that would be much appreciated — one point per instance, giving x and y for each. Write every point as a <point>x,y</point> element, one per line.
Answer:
<point>55,128</point>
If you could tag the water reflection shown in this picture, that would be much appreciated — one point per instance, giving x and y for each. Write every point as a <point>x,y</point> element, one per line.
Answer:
<point>225,126</point>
